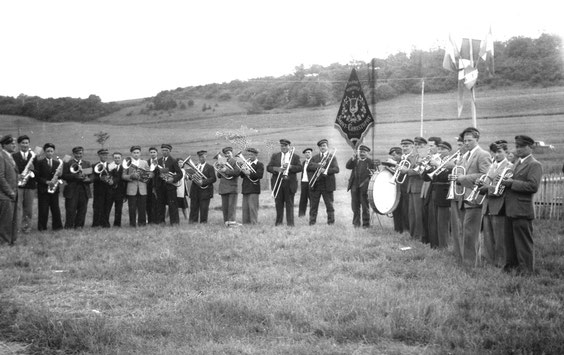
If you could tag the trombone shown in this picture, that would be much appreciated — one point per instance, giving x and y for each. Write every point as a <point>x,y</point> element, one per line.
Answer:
<point>323,167</point>
<point>282,176</point>
<point>453,191</point>
<point>197,176</point>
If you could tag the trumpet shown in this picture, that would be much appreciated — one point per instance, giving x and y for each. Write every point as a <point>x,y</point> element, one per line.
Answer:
<point>474,196</point>
<point>27,172</point>
<point>452,190</point>
<point>323,167</point>
<point>442,167</point>
<point>404,163</point>
<point>245,166</point>
<point>283,176</point>
<point>221,164</point>
<point>197,176</point>
<point>506,173</point>
<point>55,181</point>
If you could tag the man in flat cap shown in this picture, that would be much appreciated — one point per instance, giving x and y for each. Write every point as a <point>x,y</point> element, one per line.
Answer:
<point>118,189</point>
<point>228,175</point>
<point>250,188</point>
<point>77,173</point>
<point>304,185</point>
<point>438,205</point>
<point>136,177</point>
<point>476,163</point>
<point>151,192</point>
<point>284,166</point>
<point>102,191</point>
<point>47,174</point>
<point>25,158</point>
<point>8,192</point>
<point>414,183</point>
<point>323,166</point>
<point>362,167</point>
<point>401,213</point>
<point>201,192</point>
<point>169,177</point>
<point>519,209</point>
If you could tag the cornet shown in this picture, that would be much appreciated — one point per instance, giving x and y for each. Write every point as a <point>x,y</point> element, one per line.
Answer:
<point>506,173</point>
<point>474,196</point>
<point>101,168</point>
<point>453,191</point>
<point>404,163</point>
<point>441,167</point>
<point>75,168</point>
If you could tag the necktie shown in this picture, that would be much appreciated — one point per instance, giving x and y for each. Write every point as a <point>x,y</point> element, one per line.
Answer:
<point>50,163</point>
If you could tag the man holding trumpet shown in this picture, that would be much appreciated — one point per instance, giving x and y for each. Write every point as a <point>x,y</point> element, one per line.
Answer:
<point>201,189</point>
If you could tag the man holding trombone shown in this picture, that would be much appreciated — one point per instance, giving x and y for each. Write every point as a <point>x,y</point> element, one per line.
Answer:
<point>324,167</point>
<point>283,166</point>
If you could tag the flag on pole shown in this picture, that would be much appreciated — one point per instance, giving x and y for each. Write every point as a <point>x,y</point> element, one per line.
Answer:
<point>354,118</point>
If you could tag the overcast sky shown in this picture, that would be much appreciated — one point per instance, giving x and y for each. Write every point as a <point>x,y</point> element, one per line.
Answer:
<point>131,49</point>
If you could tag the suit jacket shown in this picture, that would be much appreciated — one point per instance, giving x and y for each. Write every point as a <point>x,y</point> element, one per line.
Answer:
<point>8,176</point>
<point>20,164</point>
<point>526,181</point>
<point>172,165</point>
<point>74,182</point>
<point>476,165</point>
<point>134,186</point>
<point>494,204</point>
<point>249,187</point>
<point>414,180</point>
<point>295,167</point>
<point>229,185</point>
<point>207,193</point>
<point>324,180</point>
<point>439,187</point>
<point>44,174</point>
<point>360,174</point>
<point>119,187</point>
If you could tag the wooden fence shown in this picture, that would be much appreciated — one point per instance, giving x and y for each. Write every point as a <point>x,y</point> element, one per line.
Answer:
<point>548,200</point>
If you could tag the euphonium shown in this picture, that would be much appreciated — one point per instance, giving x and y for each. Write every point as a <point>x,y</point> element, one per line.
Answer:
<point>245,166</point>
<point>55,181</point>
<point>222,163</point>
<point>27,172</point>
<point>404,163</point>
<point>75,168</point>
<point>195,174</point>
<point>101,168</point>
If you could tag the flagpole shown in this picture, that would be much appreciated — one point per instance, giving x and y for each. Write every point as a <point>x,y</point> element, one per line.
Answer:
<point>373,94</point>
<point>422,104</point>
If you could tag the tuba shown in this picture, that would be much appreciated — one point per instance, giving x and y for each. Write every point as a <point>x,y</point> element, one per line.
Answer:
<point>221,164</point>
<point>245,166</point>
<point>195,174</point>
<point>55,181</point>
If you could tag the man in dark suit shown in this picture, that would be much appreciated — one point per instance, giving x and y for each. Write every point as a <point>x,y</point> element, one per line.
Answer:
<point>327,166</point>
<point>287,165</point>
<point>117,191</point>
<point>102,192</point>
<point>519,209</point>
<point>26,184</point>
<point>48,172</point>
<point>201,192</point>
<point>151,192</point>
<point>8,191</point>
<point>304,186</point>
<point>77,191</point>
<point>228,175</point>
<point>414,183</point>
<point>169,176</point>
<point>250,187</point>
<point>400,214</point>
<point>476,162</point>
<point>438,205</point>
<point>362,168</point>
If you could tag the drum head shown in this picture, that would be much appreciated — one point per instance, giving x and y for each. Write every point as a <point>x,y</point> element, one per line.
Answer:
<point>382,193</point>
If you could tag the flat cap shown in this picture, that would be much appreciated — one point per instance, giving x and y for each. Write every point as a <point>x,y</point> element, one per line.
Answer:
<point>202,152</point>
<point>22,138</point>
<point>445,145</point>
<point>134,147</point>
<point>420,140</point>
<point>252,150</point>
<point>406,141</point>
<point>306,150</point>
<point>285,141</point>
<point>77,149</point>
<point>7,139</point>
<point>524,140</point>
<point>227,149</point>
<point>103,151</point>
<point>166,146</point>
<point>323,141</point>
<point>363,147</point>
<point>394,150</point>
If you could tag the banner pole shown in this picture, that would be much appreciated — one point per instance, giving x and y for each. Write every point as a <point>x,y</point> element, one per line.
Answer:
<point>422,104</point>
<point>373,83</point>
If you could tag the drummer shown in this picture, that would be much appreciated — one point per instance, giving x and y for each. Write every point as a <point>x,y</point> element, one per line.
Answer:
<point>362,167</point>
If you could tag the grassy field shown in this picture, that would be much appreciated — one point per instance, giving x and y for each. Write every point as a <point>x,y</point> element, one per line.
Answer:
<point>272,290</point>
<point>303,290</point>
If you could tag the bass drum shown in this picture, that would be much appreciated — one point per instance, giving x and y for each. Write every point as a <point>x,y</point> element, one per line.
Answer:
<point>383,195</point>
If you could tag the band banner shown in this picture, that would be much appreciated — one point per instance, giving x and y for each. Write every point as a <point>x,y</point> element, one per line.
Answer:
<point>354,118</point>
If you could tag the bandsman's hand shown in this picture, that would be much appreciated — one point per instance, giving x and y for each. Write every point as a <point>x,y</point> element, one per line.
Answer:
<point>507,182</point>
<point>452,177</point>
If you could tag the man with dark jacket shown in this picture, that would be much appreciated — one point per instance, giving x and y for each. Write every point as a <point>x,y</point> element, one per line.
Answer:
<point>118,189</point>
<point>304,185</point>
<point>77,174</point>
<point>251,175</point>
<point>362,168</point>
<point>48,189</point>
<point>8,191</point>
<point>228,175</point>
<point>201,192</point>
<point>325,163</point>
<point>169,176</point>
<point>102,191</point>
<point>26,184</point>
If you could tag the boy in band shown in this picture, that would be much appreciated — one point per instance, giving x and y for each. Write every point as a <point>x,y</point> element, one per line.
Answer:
<point>202,192</point>
<point>251,187</point>
<point>46,179</point>
<point>280,163</point>
<point>8,192</point>
<point>228,176</point>
<point>327,167</point>
<point>136,188</point>
<point>362,168</point>
<point>118,189</point>
<point>304,187</point>
<point>26,191</point>
<point>77,191</point>
<point>102,190</point>
<point>519,209</point>
<point>165,185</point>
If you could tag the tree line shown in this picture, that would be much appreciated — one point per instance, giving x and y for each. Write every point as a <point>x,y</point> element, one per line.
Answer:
<point>518,61</point>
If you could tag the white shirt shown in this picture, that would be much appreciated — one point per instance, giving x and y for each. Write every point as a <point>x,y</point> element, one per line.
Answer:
<point>304,174</point>
<point>521,160</point>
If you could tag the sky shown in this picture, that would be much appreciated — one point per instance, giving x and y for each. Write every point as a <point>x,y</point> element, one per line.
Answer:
<point>123,49</point>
